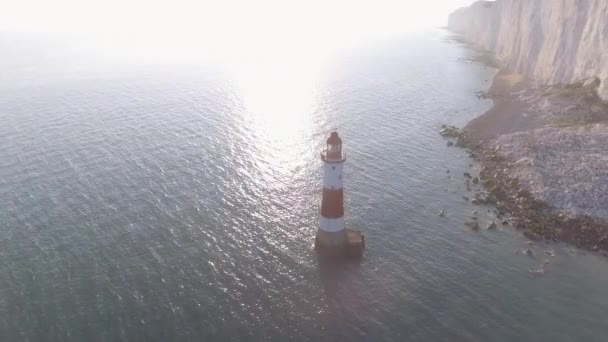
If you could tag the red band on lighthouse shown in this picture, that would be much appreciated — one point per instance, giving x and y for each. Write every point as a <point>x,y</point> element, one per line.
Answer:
<point>332,205</point>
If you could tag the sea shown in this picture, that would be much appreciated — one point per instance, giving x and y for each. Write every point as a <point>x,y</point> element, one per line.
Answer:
<point>147,199</point>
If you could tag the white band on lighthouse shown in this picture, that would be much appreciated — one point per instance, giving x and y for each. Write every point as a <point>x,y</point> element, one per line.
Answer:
<point>332,176</point>
<point>332,225</point>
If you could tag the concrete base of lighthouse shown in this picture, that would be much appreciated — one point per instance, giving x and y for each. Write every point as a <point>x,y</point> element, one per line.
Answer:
<point>347,243</point>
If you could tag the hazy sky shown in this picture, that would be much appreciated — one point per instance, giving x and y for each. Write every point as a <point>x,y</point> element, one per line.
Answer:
<point>203,16</point>
<point>224,29</point>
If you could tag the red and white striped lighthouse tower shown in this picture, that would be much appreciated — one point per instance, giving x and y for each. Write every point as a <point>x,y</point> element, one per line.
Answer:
<point>332,235</point>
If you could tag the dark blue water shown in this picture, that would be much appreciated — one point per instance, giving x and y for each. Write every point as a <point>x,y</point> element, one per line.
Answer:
<point>158,202</point>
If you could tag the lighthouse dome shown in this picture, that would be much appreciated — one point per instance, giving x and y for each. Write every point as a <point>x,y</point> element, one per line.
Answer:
<point>334,139</point>
<point>333,153</point>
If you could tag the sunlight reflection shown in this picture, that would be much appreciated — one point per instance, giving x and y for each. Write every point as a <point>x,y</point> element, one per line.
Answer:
<point>280,98</point>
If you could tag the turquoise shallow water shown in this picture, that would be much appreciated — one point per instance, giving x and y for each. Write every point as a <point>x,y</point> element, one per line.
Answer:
<point>165,202</point>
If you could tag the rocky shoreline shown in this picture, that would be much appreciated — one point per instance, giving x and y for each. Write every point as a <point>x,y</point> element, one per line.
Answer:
<point>542,145</point>
<point>515,204</point>
<point>543,156</point>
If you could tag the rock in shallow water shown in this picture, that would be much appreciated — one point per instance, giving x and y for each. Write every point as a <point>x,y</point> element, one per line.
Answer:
<point>473,225</point>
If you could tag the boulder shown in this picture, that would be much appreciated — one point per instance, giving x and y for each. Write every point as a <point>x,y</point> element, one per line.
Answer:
<point>498,193</point>
<point>450,131</point>
<point>532,235</point>
<point>473,225</point>
<point>523,194</point>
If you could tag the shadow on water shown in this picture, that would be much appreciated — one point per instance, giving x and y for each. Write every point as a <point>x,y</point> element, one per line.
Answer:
<point>335,271</point>
<point>342,281</point>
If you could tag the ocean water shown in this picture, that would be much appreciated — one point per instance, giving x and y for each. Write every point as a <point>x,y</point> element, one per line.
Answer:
<point>165,202</point>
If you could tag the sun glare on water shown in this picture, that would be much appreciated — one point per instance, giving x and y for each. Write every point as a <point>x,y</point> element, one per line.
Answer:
<point>275,50</point>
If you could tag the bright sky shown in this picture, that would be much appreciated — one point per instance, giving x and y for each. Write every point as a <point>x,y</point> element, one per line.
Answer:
<point>226,27</point>
<point>275,48</point>
<point>225,17</point>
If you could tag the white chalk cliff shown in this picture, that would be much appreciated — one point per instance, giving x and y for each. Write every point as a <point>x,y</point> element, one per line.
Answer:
<point>552,41</point>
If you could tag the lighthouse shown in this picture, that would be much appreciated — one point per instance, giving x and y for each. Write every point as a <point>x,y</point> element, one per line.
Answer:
<point>332,236</point>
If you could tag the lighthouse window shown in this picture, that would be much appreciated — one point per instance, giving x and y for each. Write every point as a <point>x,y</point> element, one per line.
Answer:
<point>340,177</point>
<point>333,167</point>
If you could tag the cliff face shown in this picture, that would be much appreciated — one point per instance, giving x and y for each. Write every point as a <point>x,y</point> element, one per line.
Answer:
<point>552,41</point>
